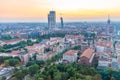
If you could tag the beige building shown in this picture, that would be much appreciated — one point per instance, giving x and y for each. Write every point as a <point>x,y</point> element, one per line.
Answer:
<point>70,56</point>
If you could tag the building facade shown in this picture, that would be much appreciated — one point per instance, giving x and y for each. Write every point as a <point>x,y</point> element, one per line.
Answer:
<point>52,19</point>
<point>62,24</point>
<point>70,56</point>
<point>87,57</point>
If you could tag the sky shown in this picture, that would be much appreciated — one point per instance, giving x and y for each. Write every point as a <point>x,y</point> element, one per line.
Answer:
<point>70,10</point>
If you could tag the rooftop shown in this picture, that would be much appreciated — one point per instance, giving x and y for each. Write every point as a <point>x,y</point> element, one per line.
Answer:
<point>104,44</point>
<point>87,53</point>
<point>71,52</point>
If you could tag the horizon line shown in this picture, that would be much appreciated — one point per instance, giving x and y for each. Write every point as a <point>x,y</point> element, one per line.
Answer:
<point>56,22</point>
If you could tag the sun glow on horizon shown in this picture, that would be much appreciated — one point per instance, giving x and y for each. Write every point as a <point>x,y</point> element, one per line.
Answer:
<point>37,10</point>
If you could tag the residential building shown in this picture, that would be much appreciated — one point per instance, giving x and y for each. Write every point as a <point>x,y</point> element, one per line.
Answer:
<point>70,56</point>
<point>24,57</point>
<point>41,57</point>
<point>84,46</point>
<point>37,48</point>
<point>104,60</point>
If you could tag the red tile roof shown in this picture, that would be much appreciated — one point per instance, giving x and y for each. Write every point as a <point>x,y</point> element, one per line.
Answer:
<point>13,41</point>
<point>37,45</point>
<point>87,53</point>
<point>104,44</point>
<point>15,52</point>
<point>29,47</point>
<point>47,46</point>
<point>71,52</point>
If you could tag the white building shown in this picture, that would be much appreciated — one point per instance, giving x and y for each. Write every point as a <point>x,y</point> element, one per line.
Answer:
<point>104,60</point>
<point>41,57</point>
<point>103,63</point>
<point>100,48</point>
<point>70,56</point>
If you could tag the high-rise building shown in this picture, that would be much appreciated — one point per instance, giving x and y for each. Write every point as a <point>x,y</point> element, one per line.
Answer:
<point>62,24</point>
<point>108,25</point>
<point>108,21</point>
<point>52,19</point>
<point>110,28</point>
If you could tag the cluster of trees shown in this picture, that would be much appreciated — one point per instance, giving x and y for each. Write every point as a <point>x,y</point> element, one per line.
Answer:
<point>47,49</point>
<point>31,69</point>
<point>17,46</point>
<point>12,62</point>
<point>39,63</point>
<point>77,47</point>
<point>70,71</point>
<point>9,60</point>
<point>5,37</point>
<point>19,74</point>
<point>109,74</point>
<point>2,78</point>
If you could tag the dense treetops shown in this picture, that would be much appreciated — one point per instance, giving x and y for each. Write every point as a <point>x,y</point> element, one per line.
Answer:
<point>10,61</point>
<point>70,71</point>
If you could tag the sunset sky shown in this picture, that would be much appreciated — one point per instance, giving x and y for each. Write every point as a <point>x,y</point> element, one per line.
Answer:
<point>71,10</point>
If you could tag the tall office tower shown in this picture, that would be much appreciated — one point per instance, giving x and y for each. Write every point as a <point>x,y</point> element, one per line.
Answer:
<point>62,24</point>
<point>108,25</point>
<point>52,19</point>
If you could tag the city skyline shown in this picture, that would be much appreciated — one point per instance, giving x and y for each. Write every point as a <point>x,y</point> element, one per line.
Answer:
<point>79,10</point>
<point>52,19</point>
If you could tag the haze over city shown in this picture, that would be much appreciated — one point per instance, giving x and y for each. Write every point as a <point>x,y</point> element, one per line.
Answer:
<point>59,39</point>
<point>71,10</point>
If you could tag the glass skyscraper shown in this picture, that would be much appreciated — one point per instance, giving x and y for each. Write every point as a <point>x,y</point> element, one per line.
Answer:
<point>52,19</point>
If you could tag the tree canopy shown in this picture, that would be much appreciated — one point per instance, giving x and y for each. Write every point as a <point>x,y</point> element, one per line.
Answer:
<point>70,71</point>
